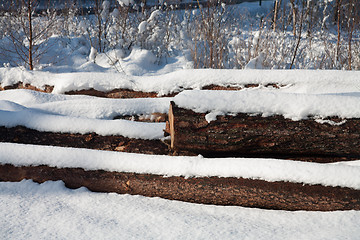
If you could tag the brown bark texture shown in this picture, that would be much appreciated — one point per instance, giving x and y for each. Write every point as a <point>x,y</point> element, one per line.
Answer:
<point>116,93</point>
<point>128,93</point>
<point>20,85</point>
<point>90,141</point>
<point>207,190</point>
<point>254,135</point>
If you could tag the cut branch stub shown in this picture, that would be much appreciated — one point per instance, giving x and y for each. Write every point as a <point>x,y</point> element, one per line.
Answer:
<point>171,124</point>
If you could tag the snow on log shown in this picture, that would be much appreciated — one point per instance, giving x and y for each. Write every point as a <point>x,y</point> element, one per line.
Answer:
<point>216,124</point>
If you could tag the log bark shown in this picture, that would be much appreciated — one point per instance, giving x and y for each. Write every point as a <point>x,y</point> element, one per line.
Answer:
<point>257,136</point>
<point>128,93</point>
<point>25,135</point>
<point>20,85</point>
<point>116,93</point>
<point>206,190</point>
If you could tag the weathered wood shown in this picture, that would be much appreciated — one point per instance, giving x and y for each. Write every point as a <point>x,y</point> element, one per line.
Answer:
<point>171,130</point>
<point>116,93</point>
<point>117,143</point>
<point>128,93</point>
<point>206,190</point>
<point>20,85</point>
<point>153,117</point>
<point>273,136</point>
<point>91,141</point>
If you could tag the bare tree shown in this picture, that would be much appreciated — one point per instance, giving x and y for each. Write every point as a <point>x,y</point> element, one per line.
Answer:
<point>352,21</point>
<point>294,13</point>
<point>303,11</point>
<point>338,23</point>
<point>277,5</point>
<point>208,35</point>
<point>28,30</point>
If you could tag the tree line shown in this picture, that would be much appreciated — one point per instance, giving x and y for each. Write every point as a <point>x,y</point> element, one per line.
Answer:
<point>290,34</point>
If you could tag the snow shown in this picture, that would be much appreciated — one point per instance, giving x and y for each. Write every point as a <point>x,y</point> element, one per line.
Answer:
<point>50,211</point>
<point>255,63</point>
<point>125,2</point>
<point>139,57</point>
<point>142,26</point>
<point>154,15</point>
<point>343,175</point>
<point>295,106</point>
<point>256,38</point>
<point>92,55</point>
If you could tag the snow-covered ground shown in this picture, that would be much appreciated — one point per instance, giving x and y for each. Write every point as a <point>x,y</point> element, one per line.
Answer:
<point>50,211</point>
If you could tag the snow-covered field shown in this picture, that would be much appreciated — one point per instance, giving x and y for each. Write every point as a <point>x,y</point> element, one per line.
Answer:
<point>51,211</point>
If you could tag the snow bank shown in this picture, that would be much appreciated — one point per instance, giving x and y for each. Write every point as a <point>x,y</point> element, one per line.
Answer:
<point>266,169</point>
<point>51,211</point>
<point>296,81</point>
<point>291,105</point>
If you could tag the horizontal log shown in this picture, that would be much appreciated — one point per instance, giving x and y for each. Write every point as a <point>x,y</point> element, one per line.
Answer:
<point>153,117</point>
<point>254,135</point>
<point>116,93</point>
<point>128,93</point>
<point>91,141</point>
<point>20,85</point>
<point>207,190</point>
<point>233,88</point>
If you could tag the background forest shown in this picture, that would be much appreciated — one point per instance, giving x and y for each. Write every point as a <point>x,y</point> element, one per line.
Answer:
<point>281,34</point>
